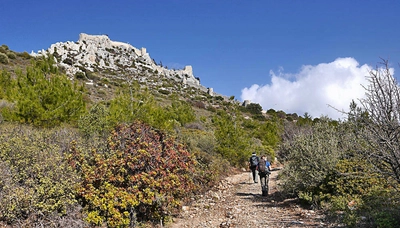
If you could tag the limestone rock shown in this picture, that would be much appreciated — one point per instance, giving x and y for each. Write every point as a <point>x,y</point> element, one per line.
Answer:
<point>99,52</point>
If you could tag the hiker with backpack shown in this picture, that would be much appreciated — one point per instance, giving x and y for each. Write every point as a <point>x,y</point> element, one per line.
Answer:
<point>253,162</point>
<point>264,169</point>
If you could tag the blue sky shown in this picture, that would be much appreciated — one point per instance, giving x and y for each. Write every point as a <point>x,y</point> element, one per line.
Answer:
<point>290,55</point>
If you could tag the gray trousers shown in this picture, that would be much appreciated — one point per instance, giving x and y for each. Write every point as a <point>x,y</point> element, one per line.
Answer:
<point>254,172</point>
<point>264,179</point>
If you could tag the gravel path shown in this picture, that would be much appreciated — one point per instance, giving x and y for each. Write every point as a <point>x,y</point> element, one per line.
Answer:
<point>237,202</point>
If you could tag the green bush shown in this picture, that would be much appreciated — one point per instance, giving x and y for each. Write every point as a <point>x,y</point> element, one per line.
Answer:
<point>11,55</point>
<point>43,96</point>
<point>24,55</point>
<point>4,49</point>
<point>4,58</point>
<point>95,122</point>
<point>312,157</point>
<point>387,218</point>
<point>259,117</point>
<point>68,61</point>
<point>181,112</point>
<point>210,166</point>
<point>369,194</point>
<point>6,84</point>
<point>233,143</point>
<point>131,104</point>
<point>211,108</point>
<point>80,75</point>
<point>327,170</point>
<point>254,108</point>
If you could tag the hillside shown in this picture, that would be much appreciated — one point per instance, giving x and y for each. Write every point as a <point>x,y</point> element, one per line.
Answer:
<point>85,90</point>
<point>95,133</point>
<point>104,62</point>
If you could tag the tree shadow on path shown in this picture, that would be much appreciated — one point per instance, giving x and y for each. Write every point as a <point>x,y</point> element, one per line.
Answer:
<point>275,199</point>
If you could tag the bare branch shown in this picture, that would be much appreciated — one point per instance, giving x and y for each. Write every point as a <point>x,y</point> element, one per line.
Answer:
<point>381,127</point>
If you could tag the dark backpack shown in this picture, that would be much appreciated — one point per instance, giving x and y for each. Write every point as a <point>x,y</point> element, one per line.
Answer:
<point>253,161</point>
<point>262,168</point>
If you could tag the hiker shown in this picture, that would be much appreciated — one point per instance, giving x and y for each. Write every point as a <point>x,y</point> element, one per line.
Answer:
<point>253,162</point>
<point>264,169</point>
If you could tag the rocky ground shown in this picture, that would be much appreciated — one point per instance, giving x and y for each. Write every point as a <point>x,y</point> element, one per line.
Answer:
<point>237,202</point>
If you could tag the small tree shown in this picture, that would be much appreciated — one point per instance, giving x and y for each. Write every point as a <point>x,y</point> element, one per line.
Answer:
<point>95,122</point>
<point>43,96</point>
<point>254,108</point>
<point>379,121</point>
<point>233,143</point>
<point>181,112</point>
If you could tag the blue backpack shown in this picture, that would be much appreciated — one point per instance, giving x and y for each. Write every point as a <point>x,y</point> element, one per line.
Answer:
<point>253,161</point>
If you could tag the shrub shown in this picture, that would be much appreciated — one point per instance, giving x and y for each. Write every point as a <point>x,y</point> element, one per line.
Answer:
<point>210,167</point>
<point>387,218</point>
<point>44,97</point>
<point>233,143</point>
<point>141,175</point>
<point>211,108</point>
<point>164,91</point>
<point>254,108</point>
<point>353,188</point>
<point>326,169</point>
<point>36,182</point>
<point>4,58</point>
<point>182,112</point>
<point>5,84</point>
<point>80,75</point>
<point>11,55</point>
<point>24,55</point>
<point>4,48</point>
<point>311,159</point>
<point>95,122</point>
<point>132,104</point>
<point>259,117</point>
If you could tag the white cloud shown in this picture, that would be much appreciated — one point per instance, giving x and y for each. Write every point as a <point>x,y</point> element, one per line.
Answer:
<point>313,89</point>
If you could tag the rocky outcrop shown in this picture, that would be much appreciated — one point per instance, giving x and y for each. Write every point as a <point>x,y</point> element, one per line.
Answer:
<point>246,102</point>
<point>98,52</point>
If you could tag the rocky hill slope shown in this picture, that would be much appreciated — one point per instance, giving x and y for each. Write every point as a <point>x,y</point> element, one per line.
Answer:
<point>97,53</point>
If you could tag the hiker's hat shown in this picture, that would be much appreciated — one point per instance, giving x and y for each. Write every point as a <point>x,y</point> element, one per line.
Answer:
<point>254,153</point>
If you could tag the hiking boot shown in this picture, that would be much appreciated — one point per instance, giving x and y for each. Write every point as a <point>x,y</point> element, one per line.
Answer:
<point>264,193</point>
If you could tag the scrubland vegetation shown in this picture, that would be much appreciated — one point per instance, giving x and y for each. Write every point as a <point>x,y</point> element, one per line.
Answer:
<point>135,156</point>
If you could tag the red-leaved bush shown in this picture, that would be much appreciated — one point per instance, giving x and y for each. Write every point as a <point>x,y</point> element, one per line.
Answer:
<point>141,175</point>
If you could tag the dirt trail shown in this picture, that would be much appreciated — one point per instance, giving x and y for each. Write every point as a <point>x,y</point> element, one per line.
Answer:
<point>237,202</point>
